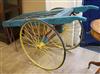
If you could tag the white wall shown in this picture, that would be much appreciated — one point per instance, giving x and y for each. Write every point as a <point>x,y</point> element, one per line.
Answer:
<point>62,3</point>
<point>78,2</point>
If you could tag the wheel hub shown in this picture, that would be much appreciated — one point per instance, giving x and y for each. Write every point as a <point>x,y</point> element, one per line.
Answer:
<point>40,45</point>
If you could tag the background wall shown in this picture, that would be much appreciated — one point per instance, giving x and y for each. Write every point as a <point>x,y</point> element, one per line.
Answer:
<point>12,1</point>
<point>62,3</point>
<point>33,5</point>
<point>38,5</point>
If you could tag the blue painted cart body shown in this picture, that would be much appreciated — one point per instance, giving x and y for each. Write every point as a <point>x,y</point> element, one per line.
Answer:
<point>54,17</point>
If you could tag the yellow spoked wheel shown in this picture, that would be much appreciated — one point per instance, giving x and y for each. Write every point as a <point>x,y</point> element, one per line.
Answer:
<point>72,34</point>
<point>42,44</point>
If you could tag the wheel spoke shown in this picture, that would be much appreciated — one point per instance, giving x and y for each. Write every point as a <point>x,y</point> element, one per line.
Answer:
<point>53,44</point>
<point>37,30</point>
<point>47,33</point>
<point>29,40</point>
<point>33,31</point>
<point>29,37</point>
<point>52,36</point>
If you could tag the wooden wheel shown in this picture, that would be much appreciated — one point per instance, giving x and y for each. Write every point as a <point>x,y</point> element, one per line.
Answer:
<point>42,44</point>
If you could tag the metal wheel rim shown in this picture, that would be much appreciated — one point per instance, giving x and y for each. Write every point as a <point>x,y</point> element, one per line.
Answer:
<point>64,51</point>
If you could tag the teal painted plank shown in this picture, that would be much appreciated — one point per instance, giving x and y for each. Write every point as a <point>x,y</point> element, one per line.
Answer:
<point>49,20</point>
<point>62,19</point>
<point>51,17</point>
<point>85,8</point>
<point>65,12</point>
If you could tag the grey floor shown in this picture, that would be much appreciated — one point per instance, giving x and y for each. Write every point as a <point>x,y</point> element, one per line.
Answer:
<point>13,62</point>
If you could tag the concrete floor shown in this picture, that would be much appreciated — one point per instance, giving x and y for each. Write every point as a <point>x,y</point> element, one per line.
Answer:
<point>13,62</point>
